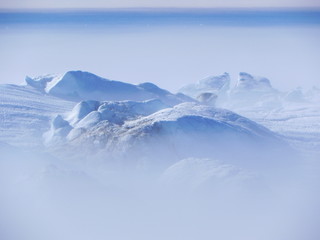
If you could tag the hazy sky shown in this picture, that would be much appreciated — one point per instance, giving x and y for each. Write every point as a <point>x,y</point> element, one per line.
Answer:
<point>155,3</point>
<point>167,56</point>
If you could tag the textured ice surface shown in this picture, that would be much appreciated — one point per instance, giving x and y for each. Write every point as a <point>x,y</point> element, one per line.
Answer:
<point>298,122</point>
<point>25,113</point>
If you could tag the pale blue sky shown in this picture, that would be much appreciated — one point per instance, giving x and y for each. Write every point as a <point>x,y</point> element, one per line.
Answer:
<point>156,3</point>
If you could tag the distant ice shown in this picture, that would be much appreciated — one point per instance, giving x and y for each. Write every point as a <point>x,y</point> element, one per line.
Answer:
<point>78,85</point>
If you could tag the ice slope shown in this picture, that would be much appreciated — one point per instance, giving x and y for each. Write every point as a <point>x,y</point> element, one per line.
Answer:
<point>185,130</point>
<point>78,85</point>
<point>25,114</point>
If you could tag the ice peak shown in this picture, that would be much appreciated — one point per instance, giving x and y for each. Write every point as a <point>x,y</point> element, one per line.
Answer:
<point>248,81</point>
<point>217,85</point>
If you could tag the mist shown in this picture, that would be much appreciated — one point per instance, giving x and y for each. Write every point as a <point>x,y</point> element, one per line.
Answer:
<point>44,197</point>
<point>222,141</point>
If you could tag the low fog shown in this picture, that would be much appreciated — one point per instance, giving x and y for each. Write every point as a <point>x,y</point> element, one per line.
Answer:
<point>203,132</point>
<point>44,197</point>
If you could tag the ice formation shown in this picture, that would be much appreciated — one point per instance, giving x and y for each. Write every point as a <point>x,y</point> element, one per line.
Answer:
<point>78,85</point>
<point>215,85</point>
<point>113,151</point>
<point>155,138</point>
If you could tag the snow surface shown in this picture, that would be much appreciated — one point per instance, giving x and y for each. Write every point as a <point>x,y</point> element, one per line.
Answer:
<point>298,122</point>
<point>25,114</point>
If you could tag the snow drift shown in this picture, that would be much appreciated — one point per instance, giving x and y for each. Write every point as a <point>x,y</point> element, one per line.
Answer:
<point>78,85</point>
<point>158,138</point>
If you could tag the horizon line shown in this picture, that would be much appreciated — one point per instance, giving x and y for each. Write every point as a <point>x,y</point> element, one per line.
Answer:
<point>164,9</point>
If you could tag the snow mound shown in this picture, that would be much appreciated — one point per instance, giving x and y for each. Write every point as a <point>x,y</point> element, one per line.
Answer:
<point>253,91</point>
<point>313,95</point>
<point>58,131</point>
<point>40,82</point>
<point>78,85</point>
<point>217,85</point>
<point>61,182</point>
<point>81,110</point>
<point>118,112</point>
<point>249,91</point>
<point>114,112</point>
<point>87,114</point>
<point>84,85</point>
<point>25,114</point>
<point>295,95</point>
<point>185,130</point>
<point>197,173</point>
